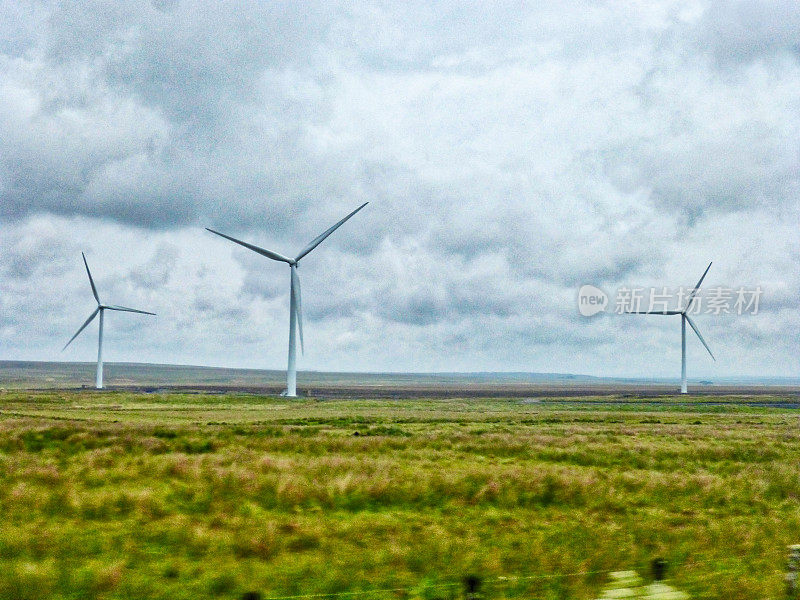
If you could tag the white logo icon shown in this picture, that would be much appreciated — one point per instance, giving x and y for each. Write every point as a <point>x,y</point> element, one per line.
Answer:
<point>591,300</point>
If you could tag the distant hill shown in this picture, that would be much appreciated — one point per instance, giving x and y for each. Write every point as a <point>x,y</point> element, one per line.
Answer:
<point>76,374</point>
<point>34,375</point>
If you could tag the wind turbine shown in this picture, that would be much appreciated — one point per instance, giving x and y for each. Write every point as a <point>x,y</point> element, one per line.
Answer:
<point>684,319</point>
<point>100,310</point>
<point>295,312</point>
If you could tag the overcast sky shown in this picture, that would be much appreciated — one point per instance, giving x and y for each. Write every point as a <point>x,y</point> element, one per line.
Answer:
<point>510,154</point>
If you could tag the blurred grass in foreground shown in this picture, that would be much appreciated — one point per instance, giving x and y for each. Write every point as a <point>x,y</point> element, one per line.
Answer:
<point>120,495</point>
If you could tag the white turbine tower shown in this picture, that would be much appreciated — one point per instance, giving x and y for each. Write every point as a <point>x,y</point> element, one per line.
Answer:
<point>100,310</point>
<point>295,311</point>
<point>684,319</point>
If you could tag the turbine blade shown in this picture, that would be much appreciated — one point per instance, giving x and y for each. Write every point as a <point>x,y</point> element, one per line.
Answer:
<point>126,309</point>
<point>261,251</point>
<point>321,237</point>
<point>698,335</point>
<point>653,312</point>
<point>91,281</point>
<point>693,293</point>
<point>298,306</point>
<point>89,320</point>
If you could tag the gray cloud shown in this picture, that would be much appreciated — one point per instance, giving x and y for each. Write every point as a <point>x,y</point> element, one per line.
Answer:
<point>743,31</point>
<point>509,153</point>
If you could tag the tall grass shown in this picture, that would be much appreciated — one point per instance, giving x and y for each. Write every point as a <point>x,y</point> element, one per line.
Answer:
<point>122,496</point>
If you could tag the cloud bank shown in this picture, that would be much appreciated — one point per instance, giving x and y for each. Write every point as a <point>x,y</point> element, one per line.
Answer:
<point>509,153</point>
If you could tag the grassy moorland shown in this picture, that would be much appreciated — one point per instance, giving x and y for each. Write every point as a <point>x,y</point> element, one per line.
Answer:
<point>118,495</point>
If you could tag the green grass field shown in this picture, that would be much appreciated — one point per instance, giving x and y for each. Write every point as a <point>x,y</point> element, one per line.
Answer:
<point>118,495</point>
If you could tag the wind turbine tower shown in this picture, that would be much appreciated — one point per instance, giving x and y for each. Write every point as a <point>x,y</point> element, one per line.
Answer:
<point>100,310</point>
<point>684,319</point>
<point>295,310</point>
